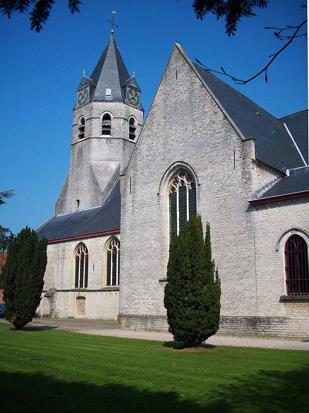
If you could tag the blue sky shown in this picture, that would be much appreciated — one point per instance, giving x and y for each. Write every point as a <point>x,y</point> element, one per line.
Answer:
<point>40,73</point>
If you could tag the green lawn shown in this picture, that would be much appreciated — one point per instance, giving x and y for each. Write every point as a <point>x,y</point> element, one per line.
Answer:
<point>53,371</point>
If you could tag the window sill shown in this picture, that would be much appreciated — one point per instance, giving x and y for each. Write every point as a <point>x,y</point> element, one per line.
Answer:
<point>294,298</point>
<point>89,290</point>
<point>111,288</point>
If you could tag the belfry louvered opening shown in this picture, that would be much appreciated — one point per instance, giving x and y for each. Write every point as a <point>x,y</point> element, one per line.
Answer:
<point>106,124</point>
<point>81,127</point>
<point>132,128</point>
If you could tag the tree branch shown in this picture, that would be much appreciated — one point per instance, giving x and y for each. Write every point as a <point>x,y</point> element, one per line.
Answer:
<point>273,56</point>
<point>5,195</point>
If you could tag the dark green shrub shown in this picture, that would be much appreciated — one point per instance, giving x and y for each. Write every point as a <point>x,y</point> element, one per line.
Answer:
<point>192,293</point>
<point>23,277</point>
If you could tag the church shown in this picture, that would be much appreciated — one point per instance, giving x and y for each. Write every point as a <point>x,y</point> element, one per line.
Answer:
<point>204,149</point>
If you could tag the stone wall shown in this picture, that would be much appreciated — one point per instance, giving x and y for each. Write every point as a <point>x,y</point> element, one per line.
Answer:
<point>96,160</point>
<point>283,327</point>
<point>186,127</point>
<point>60,296</point>
<point>274,224</point>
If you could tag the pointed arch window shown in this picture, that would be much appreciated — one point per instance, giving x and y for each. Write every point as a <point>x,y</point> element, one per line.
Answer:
<point>182,199</point>
<point>296,265</point>
<point>132,128</point>
<point>113,262</point>
<point>81,266</point>
<point>81,127</point>
<point>106,124</point>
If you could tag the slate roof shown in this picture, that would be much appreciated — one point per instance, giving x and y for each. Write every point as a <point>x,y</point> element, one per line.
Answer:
<point>109,73</point>
<point>298,126</point>
<point>297,182</point>
<point>103,219</point>
<point>273,145</point>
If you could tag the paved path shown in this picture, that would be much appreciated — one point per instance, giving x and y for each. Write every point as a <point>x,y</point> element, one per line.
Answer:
<point>111,328</point>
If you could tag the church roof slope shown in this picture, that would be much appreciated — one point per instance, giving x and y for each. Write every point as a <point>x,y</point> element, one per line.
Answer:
<point>298,126</point>
<point>87,223</point>
<point>294,185</point>
<point>109,73</point>
<point>273,144</point>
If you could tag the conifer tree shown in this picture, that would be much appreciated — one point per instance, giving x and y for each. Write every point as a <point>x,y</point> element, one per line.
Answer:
<point>23,277</point>
<point>192,293</point>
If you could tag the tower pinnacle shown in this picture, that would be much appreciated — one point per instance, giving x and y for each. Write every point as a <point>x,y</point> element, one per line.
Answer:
<point>112,21</point>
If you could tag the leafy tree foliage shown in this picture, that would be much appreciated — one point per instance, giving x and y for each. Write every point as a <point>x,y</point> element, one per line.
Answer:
<point>5,234</point>
<point>192,293</point>
<point>5,238</point>
<point>231,10</point>
<point>40,9</point>
<point>5,194</point>
<point>23,277</point>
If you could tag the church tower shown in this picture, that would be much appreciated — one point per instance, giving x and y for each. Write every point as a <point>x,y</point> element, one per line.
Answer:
<point>107,119</point>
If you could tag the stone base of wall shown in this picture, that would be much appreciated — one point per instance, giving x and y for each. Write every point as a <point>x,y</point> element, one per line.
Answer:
<point>143,322</point>
<point>283,327</point>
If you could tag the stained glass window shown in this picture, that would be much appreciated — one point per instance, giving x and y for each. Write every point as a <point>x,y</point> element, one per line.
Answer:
<point>81,266</point>
<point>182,200</point>
<point>113,262</point>
<point>296,266</point>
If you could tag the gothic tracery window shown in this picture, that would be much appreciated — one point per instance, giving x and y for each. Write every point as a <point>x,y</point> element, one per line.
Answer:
<point>81,266</point>
<point>182,199</point>
<point>132,128</point>
<point>113,262</point>
<point>296,265</point>
<point>81,127</point>
<point>106,124</point>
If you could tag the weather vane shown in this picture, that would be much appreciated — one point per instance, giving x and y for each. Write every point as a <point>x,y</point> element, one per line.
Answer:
<point>112,21</point>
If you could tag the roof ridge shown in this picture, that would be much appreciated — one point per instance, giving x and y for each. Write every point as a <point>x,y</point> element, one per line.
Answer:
<point>293,113</point>
<point>266,187</point>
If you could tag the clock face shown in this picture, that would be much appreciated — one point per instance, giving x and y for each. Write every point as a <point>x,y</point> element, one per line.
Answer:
<point>133,96</point>
<point>83,96</point>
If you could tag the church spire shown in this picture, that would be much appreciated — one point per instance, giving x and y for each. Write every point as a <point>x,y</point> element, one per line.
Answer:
<point>110,80</point>
<point>109,77</point>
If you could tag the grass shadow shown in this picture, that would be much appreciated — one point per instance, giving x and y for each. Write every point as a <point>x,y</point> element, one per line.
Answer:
<point>178,345</point>
<point>265,392</point>
<point>40,393</point>
<point>40,328</point>
<point>34,328</point>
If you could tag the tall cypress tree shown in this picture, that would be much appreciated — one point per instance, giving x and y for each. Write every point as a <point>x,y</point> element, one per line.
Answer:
<point>23,277</point>
<point>192,293</point>
<point>213,291</point>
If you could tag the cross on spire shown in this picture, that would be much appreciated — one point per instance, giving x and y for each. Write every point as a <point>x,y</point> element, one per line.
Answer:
<point>112,21</point>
